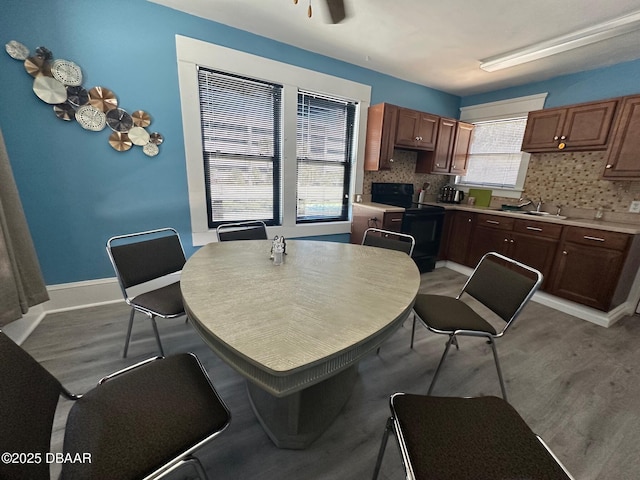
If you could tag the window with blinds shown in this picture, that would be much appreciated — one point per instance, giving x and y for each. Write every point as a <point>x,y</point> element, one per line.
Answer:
<point>324,144</point>
<point>241,141</point>
<point>494,154</point>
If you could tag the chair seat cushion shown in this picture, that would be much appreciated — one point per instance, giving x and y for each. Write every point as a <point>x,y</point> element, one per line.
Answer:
<point>480,438</point>
<point>449,314</point>
<point>164,302</point>
<point>137,421</point>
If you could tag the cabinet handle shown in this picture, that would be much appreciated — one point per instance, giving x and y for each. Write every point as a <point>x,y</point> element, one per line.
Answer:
<point>556,137</point>
<point>396,219</point>
<point>535,229</point>
<point>609,166</point>
<point>564,252</point>
<point>506,240</point>
<point>563,137</point>
<point>391,160</point>
<point>595,239</point>
<point>453,166</point>
<point>493,222</point>
<point>511,241</point>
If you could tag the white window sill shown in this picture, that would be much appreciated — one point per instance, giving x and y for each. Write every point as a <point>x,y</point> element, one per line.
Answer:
<point>302,230</point>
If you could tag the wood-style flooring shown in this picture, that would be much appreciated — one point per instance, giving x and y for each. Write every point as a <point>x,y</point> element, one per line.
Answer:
<point>575,383</point>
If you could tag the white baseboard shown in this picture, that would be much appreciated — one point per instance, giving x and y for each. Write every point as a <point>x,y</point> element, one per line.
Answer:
<point>65,297</point>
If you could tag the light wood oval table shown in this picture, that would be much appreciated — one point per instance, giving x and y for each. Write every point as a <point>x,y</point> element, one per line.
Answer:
<point>296,331</point>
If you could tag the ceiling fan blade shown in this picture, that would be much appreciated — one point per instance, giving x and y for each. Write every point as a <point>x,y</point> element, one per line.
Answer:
<point>336,10</point>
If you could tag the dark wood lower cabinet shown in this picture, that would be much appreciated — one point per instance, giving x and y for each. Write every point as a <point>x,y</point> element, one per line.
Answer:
<point>459,229</point>
<point>587,275</point>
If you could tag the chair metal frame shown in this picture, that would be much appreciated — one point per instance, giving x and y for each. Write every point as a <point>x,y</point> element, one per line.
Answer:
<point>394,426</point>
<point>15,357</point>
<point>112,243</point>
<point>391,240</point>
<point>475,333</point>
<point>250,230</point>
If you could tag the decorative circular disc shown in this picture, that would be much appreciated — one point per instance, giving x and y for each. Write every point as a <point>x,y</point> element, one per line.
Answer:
<point>139,136</point>
<point>90,118</point>
<point>77,96</point>
<point>103,99</point>
<point>156,138</point>
<point>141,118</point>
<point>37,66</point>
<point>65,111</point>
<point>120,141</point>
<point>150,149</point>
<point>66,72</point>
<point>17,50</point>
<point>119,120</point>
<point>49,90</point>
<point>44,53</point>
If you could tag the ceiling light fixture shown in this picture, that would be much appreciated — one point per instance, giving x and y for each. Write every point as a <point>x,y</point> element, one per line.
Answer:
<point>579,38</point>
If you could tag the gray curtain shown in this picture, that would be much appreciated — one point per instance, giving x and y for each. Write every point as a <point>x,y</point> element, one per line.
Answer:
<point>21,282</point>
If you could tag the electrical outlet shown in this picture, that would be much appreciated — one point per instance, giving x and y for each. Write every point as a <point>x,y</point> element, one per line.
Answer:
<point>635,206</point>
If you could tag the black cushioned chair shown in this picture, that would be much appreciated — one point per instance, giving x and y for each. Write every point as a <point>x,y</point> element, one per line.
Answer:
<point>138,258</point>
<point>501,284</point>
<point>377,237</point>
<point>136,423</point>
<point>254,230</point>
<point>481,438</point>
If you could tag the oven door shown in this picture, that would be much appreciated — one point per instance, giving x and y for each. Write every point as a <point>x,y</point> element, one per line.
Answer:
<point>426,228</point>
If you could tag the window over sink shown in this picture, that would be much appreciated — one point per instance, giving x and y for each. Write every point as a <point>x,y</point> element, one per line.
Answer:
<point>495,157</point>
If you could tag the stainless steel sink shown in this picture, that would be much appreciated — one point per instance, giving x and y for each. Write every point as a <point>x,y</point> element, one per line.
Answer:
<point>534,213</point>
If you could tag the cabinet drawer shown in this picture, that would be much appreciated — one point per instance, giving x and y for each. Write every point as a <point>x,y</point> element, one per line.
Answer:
<point>495,221</point>
<point>393,221</point>
<point>597,238</point>
<point>541,229</point>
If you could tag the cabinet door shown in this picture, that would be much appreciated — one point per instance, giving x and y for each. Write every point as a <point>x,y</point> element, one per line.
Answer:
<point>460,156</point>
<point>543,128</point>
<point>587,275</point>
<point>427,131</point>
<point>443,152</point>
<point>487,240</point>
<point>622,157</point>
<point>459,235</point>
<point>588,125</point>
<point>408,121</point>
<point>536,251</point>
<point>382,120</point>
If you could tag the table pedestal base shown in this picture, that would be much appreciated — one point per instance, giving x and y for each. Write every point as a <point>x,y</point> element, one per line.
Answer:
<point>296,420</point>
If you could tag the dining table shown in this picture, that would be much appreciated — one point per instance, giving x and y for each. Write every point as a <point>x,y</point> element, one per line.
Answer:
<point>297,331</point>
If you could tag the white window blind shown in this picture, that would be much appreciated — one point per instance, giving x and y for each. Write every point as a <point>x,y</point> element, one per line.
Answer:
<point>241,140</point>
<point>494,154</point>
<point>324,143</point>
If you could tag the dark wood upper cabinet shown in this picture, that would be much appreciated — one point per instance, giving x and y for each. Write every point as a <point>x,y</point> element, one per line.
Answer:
<point>451,152</point>
<point>416,130</point>
<point>574,128</point>
<point>382,121</point>
<point>623,157</point>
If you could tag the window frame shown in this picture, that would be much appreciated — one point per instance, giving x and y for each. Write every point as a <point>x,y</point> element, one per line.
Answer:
<point>193,53</point>
<point>502,110</point>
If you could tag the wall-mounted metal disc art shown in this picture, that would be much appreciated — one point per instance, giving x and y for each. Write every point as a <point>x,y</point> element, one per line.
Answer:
<point>58,82</point>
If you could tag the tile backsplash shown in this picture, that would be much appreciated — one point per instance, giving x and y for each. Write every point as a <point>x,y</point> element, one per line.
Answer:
<point>570,179</point>
<point>574,180</point>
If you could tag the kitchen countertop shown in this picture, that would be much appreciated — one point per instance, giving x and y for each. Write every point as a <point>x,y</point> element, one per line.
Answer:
<point>630,228</point>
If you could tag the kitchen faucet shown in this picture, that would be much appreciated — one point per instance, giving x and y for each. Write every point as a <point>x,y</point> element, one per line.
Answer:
<point>523,202</point>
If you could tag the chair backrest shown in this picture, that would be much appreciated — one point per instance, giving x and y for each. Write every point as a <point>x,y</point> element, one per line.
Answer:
<point>377,237</point>
<point>28,398</point>
<point>144,256</point>
<point>503,285</point>
<point>254,230</point>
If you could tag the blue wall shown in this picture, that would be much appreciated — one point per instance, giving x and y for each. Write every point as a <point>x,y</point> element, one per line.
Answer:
<point>76,190</point>
<point>615,81</point>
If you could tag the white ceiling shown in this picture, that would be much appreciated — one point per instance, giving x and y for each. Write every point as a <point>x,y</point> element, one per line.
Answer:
<point>438,44</point>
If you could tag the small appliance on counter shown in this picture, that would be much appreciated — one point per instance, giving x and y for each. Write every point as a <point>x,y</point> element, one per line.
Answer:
<point>449,194</point>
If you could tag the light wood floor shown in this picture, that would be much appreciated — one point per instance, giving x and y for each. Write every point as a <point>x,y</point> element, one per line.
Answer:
<point>576,384</point>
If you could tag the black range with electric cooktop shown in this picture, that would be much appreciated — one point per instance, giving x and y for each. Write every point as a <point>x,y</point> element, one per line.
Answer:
<point>423,222</point>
